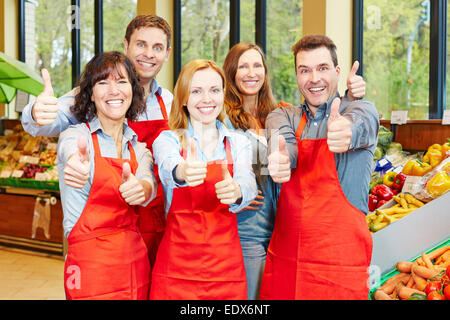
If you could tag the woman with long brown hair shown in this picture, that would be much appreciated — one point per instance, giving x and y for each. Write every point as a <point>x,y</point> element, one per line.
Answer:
<point>200,256</point>
<point>248,102</point>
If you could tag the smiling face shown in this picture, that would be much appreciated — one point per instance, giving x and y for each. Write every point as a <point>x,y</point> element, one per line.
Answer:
<point>317,77</point>
<point>147,50</point>
<point>112,96</point>
<point>206,95</point>
<point>250,73</point>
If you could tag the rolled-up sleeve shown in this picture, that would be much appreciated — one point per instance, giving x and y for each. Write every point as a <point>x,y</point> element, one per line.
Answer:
<point>167,153</point>
<point>145,169</point>
<point>280,122</point>
<point>365,124</point>
<point>64,118</point>
<point>243,173</point>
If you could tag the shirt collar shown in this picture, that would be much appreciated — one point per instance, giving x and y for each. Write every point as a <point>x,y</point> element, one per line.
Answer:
<point>224,132</point>
<point>128,133</point>
<point>322,111</point>
<point>154,87</point>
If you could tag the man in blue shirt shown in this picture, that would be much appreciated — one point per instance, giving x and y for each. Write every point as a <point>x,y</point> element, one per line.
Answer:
<point>322,154</point>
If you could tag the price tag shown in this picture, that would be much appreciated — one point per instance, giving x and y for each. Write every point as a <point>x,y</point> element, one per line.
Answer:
<point>33,160</point>
<point>17,174</point>
<point>412,184</point>
<point>399,117</point>
<point>23,159</point>
<point>5,174</point>
<point>40,176</point>
<point>52,146</point>
<point>446,117</point>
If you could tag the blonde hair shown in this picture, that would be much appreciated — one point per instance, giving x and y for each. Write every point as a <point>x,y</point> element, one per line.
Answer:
<point>179,115</point>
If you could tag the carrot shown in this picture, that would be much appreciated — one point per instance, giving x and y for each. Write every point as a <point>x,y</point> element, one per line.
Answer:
<point>443,257</point>
<point>404,266</point>
<point>411,282</point>
<point>427,261</point>
<point>424,272</point>
<point>437,252</point>
<point>420,283</point>
<point>390,284</point>
<point>381,295</point>
<point>404,292</point>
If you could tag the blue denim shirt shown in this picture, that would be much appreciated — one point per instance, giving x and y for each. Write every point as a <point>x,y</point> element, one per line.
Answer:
<point>354,167</point>
<point>257,225</point>
<point>65,117</point>
<point>167,153</point>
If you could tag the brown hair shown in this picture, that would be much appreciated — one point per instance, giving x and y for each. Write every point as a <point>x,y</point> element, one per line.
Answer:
<point>313,42</point>
<point>233,98</point>
<point>148,21</point>
<point>97,69</point>
<point>179,115</point>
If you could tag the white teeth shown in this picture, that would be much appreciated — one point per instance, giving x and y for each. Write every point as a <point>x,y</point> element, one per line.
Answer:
<point>316,89</point>
<point>145,64</point>
<point>114,102</point>
<point>206,109</point>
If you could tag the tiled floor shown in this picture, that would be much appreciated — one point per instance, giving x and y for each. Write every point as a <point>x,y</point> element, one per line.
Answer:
<point>27,276</point>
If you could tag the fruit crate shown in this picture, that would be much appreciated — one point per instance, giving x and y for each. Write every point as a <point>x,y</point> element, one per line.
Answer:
<point>35,184</point>
<point>394,271</point>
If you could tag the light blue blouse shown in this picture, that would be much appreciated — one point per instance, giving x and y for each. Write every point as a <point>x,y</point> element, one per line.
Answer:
<point>167,154</point>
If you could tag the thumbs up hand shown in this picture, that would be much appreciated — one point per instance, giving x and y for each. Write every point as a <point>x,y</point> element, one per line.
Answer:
<point>339,129</point>
<point>228,191</point>
<point>355,84</point>
<point>45,108</point>
<point>76,171</point>
<point>279,162</point>
<point>131,189</point>
<point>192,171</point>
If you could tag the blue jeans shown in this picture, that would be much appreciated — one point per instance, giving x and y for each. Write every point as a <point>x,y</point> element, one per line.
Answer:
<point>254,261</point>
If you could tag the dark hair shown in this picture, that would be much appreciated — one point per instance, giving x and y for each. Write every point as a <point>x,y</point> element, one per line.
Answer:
<point>313,42</point>
<point>99,68</point>
<point>148,21</point>
<point>233,98</point>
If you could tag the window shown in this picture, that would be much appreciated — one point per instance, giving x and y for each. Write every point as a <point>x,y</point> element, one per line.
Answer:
<point>116,16</point>
<point>48,42</point>
<point>205,30</point>
<point>47,34</point>
<point>396,56</point>
<point>284,29</point>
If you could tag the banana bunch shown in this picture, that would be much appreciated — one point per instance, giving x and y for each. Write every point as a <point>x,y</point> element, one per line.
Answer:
<point>380,218</point>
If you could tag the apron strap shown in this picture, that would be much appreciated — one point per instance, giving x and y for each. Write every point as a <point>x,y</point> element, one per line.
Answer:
<point>301,126</point>
<point>162,105</point>
<point>133,160</point>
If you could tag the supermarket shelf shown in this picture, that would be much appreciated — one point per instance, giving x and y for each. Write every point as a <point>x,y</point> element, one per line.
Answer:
<point>29,191</point>
<point>32,244</point>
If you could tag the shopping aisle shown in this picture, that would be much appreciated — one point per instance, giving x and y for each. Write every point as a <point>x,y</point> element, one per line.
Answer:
<point>26,276</point>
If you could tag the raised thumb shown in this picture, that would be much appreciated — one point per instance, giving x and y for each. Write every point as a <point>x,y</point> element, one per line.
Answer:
<point>48,89</point>
<point>225,173</point>
<point>192,155</point>
<point>282,145</point>
<point>355,68</point>
<point>126,173</point>
<point>82,148</point>
<point>334,110</point>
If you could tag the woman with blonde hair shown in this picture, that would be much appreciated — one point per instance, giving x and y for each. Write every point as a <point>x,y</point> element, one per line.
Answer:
<point>207,177</point>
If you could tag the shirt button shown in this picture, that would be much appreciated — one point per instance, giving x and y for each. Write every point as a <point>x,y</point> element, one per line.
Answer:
<point>315,123</point>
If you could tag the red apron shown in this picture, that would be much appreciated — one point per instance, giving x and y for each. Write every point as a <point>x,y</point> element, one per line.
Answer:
<point>200,255</point>
<point>107,258</point>
<point>151,219</point>
<point>321,247</point>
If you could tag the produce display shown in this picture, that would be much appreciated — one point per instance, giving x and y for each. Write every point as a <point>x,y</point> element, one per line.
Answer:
<point>425,278</point>
<point>405,204</point>
<point>27,161</point>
